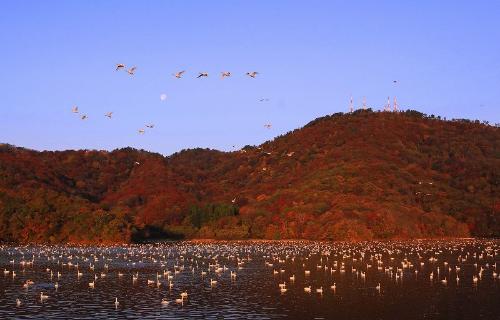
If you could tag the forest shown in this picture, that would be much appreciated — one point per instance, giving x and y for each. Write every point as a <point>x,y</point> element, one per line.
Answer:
<point>355,176</point>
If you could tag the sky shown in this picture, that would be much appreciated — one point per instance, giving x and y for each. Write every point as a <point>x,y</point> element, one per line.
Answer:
<point>312,56</point>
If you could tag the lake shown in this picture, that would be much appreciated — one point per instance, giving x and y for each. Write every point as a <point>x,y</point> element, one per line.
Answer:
<point>414,279</point>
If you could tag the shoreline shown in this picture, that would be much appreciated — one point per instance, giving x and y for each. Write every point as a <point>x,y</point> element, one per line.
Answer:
<point>207,241</point>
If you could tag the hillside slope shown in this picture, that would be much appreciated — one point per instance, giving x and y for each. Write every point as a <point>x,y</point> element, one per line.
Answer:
<point>342,177</point>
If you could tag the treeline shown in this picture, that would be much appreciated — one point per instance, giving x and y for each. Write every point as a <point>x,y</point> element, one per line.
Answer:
<point>362,175</point>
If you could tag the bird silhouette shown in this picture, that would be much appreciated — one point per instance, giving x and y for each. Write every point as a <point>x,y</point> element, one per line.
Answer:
<point>131,71</point>
<point>252,74</point>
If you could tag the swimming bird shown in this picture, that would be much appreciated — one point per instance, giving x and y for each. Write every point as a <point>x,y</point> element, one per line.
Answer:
<point>252,74</point>
<point>92,284</point>
<point>43,296</point>
<point>18,302</point>
<point>116,302</point>
<point>164,301</point>
<point>213,282</point>
<point>307,289</point>
<point>202,74</point>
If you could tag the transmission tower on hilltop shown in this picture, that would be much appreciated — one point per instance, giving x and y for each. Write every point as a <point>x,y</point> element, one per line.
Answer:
<point>388,105</point>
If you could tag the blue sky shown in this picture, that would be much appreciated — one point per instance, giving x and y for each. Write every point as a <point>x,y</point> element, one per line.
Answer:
<point>311,55</point>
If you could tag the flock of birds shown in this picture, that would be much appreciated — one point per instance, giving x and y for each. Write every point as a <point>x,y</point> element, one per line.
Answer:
<point>131,71</point>
<point>180,268</point>
<point>224,74</point>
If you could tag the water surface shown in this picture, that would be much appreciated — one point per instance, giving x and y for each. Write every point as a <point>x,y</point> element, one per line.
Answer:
<point>371,280</point>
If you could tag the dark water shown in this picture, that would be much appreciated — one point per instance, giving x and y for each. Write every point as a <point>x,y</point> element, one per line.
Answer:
<point>355,268</point>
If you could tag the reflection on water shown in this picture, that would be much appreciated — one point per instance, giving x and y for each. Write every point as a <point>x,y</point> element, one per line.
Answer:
<point>254,280</point>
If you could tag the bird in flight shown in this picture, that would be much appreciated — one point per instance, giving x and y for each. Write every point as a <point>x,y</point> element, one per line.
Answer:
<point>225,74</point>
<point>252,74</point>
<point>109,114</point>
<point>131,71</point>
<point>83,117</point>
<point>150,126</point>
<point>263,99</point>
<point>178,75</point>
<point>268,125</point>
<point>202,74</point>
<point>394,81</point>
<point>141,131</point>
<point>163,97</point>
<point>74,109</point>
<point>119,66</point>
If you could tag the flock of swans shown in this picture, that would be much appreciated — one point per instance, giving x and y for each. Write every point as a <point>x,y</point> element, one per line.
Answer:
<point>177,270</point>
<point>131,71</point>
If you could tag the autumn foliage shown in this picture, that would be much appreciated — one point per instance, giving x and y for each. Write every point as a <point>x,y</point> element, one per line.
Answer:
<point>365,175</point>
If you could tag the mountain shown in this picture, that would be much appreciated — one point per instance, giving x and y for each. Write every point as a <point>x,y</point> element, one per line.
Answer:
<point>356,176</point>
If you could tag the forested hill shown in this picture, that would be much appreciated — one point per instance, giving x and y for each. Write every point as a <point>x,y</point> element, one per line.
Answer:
<point>351,176</point>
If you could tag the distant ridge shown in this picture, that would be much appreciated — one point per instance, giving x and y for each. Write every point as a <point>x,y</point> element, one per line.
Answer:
<point>356,176</point>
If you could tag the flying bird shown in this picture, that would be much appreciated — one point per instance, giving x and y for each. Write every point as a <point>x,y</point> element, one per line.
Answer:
<point>141,131</point>
<point>109,114</point>
<point>131,71</point>
<point>263,99</point>
<point>268,125</point>
<point>178,75</point>
<point>150,126</point>
<point>202,74</point>
<point>74,109</point>
<point>119,66</point>
<point>225,74</point>
<point>252,74</point>
<point>83,117</point>
<point>163,97</point>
